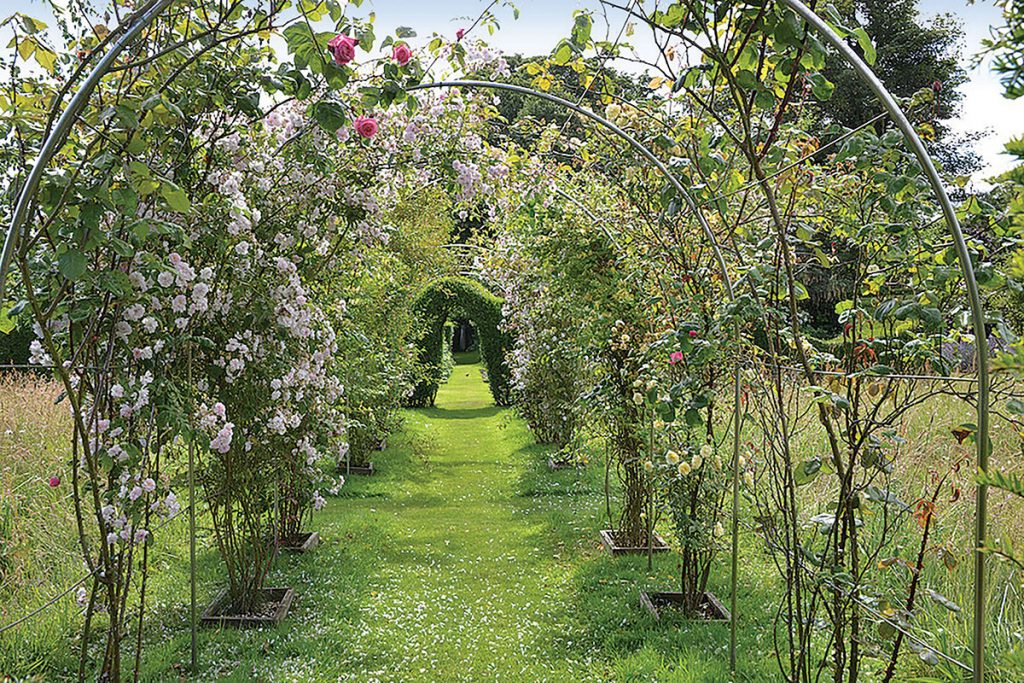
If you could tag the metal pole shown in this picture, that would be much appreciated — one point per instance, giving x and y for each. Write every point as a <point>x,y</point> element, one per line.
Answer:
<point>192,534</point>
<point>62,128</point>
<point>737,421</point>
<point>973,297</point>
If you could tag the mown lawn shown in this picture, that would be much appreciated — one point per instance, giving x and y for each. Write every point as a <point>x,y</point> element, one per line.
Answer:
<point>465,559</point>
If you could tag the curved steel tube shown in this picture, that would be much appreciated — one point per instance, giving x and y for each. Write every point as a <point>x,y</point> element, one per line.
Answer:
<point>633,142</point>
<point>147,15</point>
<point>141,20</point>
<point>973,296</point>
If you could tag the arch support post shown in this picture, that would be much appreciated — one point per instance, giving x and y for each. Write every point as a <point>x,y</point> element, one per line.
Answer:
<point>973,297</point>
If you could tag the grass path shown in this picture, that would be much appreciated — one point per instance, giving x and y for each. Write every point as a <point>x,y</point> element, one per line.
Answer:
<point>461,593</point>
<point>464,559</point>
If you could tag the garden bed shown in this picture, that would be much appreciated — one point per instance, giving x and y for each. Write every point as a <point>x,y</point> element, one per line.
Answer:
<point>660,603</point>
<point>364,470</point>
<point>302,542</point>
<point>611,544</point>
<point>276,603</point>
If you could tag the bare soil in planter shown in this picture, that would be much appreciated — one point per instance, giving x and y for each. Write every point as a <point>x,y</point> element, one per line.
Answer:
<point>662,603</point>
<point>302,542</point>
<point>562,464</point>
<point>363,470</point>
<point>272,610</point>
<point>608,538</point>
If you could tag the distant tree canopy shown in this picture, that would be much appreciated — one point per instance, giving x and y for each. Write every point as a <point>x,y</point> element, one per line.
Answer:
<point>912,54</point>
<point>522,111</point>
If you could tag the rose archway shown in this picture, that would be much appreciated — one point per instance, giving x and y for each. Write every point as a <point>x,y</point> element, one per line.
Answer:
<point>172,340</point>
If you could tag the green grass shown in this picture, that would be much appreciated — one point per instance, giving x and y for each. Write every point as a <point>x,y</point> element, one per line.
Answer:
<point>465,559</point>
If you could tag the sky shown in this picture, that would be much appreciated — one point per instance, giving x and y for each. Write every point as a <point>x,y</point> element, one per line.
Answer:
<point>543,22</point>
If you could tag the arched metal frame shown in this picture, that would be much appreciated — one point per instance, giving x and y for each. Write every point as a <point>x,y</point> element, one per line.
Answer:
<point>146,15</point>
<point>730,294</point>
<point>867,75</point>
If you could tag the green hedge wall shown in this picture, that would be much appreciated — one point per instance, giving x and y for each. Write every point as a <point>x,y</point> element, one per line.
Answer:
<point>14,345</point>
<point>459,297</point>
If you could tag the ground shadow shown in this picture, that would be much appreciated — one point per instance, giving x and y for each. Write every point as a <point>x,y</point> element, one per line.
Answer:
<point>462,413</point>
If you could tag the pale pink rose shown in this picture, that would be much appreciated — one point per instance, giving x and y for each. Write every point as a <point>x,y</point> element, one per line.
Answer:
<point>675,357</point>
<point>366,126</point>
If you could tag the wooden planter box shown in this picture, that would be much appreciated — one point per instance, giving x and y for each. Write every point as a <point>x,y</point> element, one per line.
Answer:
<point>272,613</point>
<point>659,603</point>
<point>361,470</point>
<point>555,465</point>
<point>609,542</point>
<point>302,542</point>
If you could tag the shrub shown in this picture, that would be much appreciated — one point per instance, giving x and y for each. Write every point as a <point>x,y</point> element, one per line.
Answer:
<point>459,297</point>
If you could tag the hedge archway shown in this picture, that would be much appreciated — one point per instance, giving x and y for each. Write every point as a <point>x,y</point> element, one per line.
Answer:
<point>469,299</point>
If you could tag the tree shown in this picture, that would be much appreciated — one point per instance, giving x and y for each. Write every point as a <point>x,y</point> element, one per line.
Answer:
<point>912,54</point>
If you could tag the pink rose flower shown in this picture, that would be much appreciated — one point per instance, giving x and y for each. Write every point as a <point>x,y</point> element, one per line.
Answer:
<point>675,357</point>
<point>342,48</point>
<point>402,54</point>
<point>366,126</point>
<point>693,333</point>
<point>458,34</point>
<point>54,482</point>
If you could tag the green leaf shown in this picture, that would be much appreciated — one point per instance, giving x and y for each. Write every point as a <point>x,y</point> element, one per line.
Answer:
<point>747,80</point>
<point>866,46</point>
<point>121,248</point>
<point>807,471</point>
<point>175,197</point>
<point>563,54</point>
<point>72,264</point>
<point>330,116</point>
<point>821,87</point>
<point>6,323</point>
<point>942,600</point>
<point>1011,483</point>
<point>885,496</point>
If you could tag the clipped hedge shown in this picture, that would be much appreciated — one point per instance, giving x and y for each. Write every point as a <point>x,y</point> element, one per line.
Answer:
<point>459,297</point>
<point>14,345</point>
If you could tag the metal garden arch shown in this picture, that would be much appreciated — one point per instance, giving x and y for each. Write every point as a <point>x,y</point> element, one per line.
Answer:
<point>125,34</point>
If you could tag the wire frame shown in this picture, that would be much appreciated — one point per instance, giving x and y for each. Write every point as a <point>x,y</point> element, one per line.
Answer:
<point>146,15</point>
